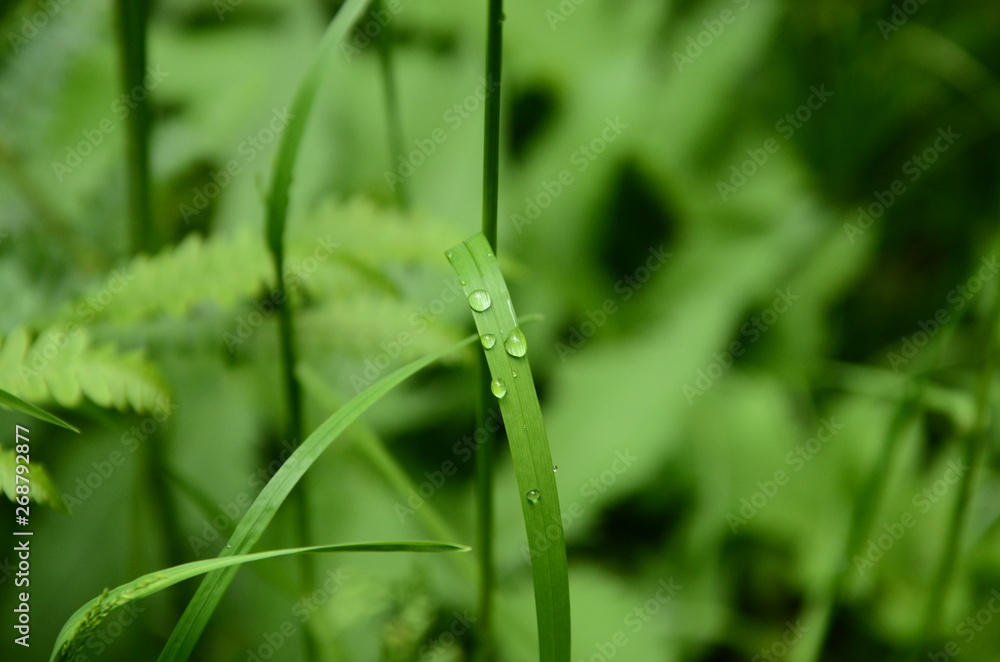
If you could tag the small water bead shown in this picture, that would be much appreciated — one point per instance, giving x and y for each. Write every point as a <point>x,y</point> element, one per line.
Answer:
<point>448,255</point>
<point>534,496</point>
<point>479,300</point>
<point>488,340</point>
<point>516,343</point>
<point>499,388</point>
<point>555,469</point>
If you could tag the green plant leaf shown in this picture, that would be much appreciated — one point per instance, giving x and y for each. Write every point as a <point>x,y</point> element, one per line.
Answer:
<point>17,404</point>
<point>43,490</point>
<point>281,181</point>
<point>87,618</point>
<point>65,367</point>
<point>264,507</point>
<point>506,353</point>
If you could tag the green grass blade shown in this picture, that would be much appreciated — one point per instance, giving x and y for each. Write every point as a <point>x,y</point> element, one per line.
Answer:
<point>506,354</point>
<point>291,138</point>
<point>264,507</point>
<point>17,404</point>
<point>87,618</point>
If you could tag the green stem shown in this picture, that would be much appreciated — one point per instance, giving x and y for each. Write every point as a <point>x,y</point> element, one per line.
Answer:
<point>293,402</point>
<point>975,451</point>
<point>486,455</point>
<point>133,20</point>
<point>394,121</point>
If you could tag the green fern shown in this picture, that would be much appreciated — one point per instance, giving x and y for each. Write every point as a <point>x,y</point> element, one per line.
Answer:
<point>65,367</point>
<point>43,490</point>
<point>221,269</point>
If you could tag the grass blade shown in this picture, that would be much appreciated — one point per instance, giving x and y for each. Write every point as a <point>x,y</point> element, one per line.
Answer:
<point>87,618</point>
<point>506,353</point>
<point>12,401</point>
<point>264,507</point>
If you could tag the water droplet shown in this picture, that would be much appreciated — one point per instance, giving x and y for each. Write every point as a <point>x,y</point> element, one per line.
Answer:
<point>462,283</point>
<point>448,255</point>
<point>480,300</point>
<point>534,496</point>
<point>516,344</point>
<point>515,373</point>
<point>555,469</point>
<point>499,388</point>
<point>488,340</point>
<point>228,546</point>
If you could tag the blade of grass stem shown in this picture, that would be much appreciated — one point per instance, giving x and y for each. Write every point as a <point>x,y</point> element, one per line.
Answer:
<point>393,117</point>
<point>506,353</point>
<point>486,455</point>
<point>976,444</point>
<point>17,404</point>
<point>87,618</point>
<point>277,211</point>
<point>132,23</point>
<point>265,506</point>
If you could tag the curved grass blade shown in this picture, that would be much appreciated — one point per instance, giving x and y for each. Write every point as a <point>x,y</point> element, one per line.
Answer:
<point>88,617</point>
<point>291,138</point>
<point>262,510</point>
<point>12,401</point>
<point>506,353</point>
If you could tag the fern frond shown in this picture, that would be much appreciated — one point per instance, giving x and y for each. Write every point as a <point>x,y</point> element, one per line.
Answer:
<point>220,269</point>
<point>65,367</point>
<point>43,490</point>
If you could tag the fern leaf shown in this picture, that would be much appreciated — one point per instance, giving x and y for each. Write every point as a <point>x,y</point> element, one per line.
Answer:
<point>220,269</point>
<point>43,490</point>
<point>64,367</point>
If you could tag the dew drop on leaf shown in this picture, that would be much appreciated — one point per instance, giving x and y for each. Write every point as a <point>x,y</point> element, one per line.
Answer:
<point>534,496</point>
<point>499,388</point>
<point>480,300</point>
<point>488,340</point>
<point>516,344</point>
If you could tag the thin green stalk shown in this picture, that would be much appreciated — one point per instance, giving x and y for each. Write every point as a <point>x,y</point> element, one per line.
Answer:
<point>975,451</point>
<point>394,120</point>
<point>133,20</point>
<point>133,24</point>
<point>485,457</point>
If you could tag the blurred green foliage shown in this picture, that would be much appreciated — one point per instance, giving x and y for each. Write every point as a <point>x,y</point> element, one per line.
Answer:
<point>738,218</point>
